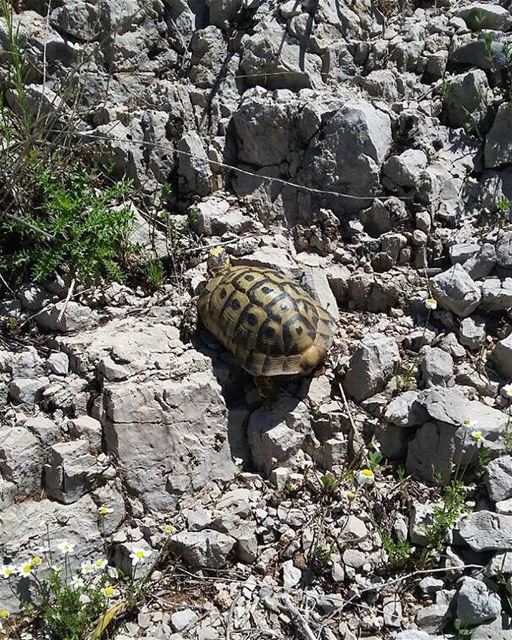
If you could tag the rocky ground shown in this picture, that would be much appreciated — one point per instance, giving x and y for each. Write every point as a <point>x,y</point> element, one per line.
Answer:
<point>364,148</point>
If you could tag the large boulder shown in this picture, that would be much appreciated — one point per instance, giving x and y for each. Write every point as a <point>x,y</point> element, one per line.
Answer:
<point>498,144</point>
<point>371,367</point>
<point>445,439</point>
<point>456,291</point>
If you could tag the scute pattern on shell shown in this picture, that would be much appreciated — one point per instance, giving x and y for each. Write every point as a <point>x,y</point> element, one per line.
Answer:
<point>269,323</point>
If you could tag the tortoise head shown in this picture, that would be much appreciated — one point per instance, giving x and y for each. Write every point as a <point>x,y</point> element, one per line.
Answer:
<point>218,260</point>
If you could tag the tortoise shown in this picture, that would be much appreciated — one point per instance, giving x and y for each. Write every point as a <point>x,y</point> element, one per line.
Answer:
<point>269,323</point>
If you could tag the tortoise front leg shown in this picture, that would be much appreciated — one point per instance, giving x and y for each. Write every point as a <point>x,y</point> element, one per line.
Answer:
<point>190,321</point>
<point>267,389</point>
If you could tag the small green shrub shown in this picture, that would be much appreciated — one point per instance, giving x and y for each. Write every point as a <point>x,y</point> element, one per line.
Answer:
<point>446,515</point>
<point>399,551</point>
<point>73,227</point>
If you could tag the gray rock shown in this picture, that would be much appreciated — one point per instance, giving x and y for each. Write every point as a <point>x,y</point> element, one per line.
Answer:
<point>27,364</point>
<point>502,357</point>
<point>497,294</point>
<point>291,574</point>
<point>482,263</point>
<point>349,150</point>
<point>430,585</point>
<point>456,291</point>
<point>498,478</point>
<point>371,367</point>
<point>472,332</point>
<point>184,619</point>
<point>208,56</point>
<point>222,11</point>
<point>504,248</point>
<point>86,428</point>
<point>194,166</point>
<point>71,471</point>
<point>27,390</point>
<point>271,58</point>
<point>275,435</point>
<point>446,441</point>
<point>58,363</point>
<point>412,634</point>
<point>315,280</point>
<point>497,629</point>
<point>476,603</point>
<point>460,253</point>
<point>437,368</point>
<point>486,531</point>
<point>203,549</point>
<point>432,618</point>
<point>467,101</point>
<point>498,143</point>
<point>381,84</point>
<point>479,15</point>
<point>78,19</point>
<point>478,53</point>
<point>21,459</point>
<point>73,317</point>
<point>420,519</point>
<point>21,533</point>
<point>44,429</point>
<point>406,169</point>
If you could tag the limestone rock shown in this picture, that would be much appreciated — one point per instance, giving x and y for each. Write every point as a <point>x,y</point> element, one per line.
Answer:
<point>371,367</point>
<point>456,291</point>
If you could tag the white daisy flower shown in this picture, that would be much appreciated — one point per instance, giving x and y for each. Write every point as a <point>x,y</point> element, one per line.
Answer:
<point>84,599</point>
<point>506,390</point>
<point>7,570</point>
<point>66,548</point>
<point>365,477</point>
<point>138,555</point>
<point>431,304</point>
<point>86,568</point>
<point>77,582</point>
<point>100,563</point>
<point>469,422</point>
<point>104,511</point>
<point>25,569</point>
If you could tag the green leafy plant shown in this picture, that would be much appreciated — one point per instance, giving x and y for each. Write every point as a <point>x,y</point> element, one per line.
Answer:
<point>399,551</point>
<point>374,458</point>
<point>329,483</point>
<point>446,515</point>
<point>74,228</point>
<point>155,273</point>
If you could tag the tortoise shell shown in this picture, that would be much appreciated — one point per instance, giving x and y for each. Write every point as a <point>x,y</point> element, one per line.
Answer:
<point>269,323</point>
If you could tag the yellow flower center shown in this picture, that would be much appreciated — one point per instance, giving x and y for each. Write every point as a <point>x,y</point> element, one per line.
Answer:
<point>368,473</point>
<point>169,529</point>
<point>108,591</point>
<point>477,435</point>
<point>139,554</point>
<point>36,561</point>
<point>26,568</point>
<point>4,614</point>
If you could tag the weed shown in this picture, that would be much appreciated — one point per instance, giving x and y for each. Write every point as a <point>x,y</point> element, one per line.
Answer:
<point>399,551</point>
<point>463,631</point>
<point>401,473</point>
<point>487,39</point>
<point>329,483</point>
<point>73,227</point>
<point>155,273</point>
<point>374,460</point>
<point>446,515</point>
<point>322,556</point>
<point>475,20</point>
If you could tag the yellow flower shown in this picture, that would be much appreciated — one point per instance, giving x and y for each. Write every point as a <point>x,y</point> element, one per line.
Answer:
<point>109,591</point>
<point>4,613</point>
<point>169,529</point>
<point>103,510</point>
<point>25,569</point>
<point>35,561</point>
<point>366,477</point>
<point>350,495</point>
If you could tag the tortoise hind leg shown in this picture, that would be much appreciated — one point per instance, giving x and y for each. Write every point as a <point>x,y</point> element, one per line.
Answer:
<point>267,389</point>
